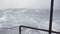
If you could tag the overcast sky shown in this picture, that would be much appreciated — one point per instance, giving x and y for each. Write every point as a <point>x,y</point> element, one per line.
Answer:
<point>56,4</point>
<point>38,4</point>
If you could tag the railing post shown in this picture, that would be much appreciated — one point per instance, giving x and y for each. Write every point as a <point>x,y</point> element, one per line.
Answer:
<point>19,29</point>
<point>51,16</point>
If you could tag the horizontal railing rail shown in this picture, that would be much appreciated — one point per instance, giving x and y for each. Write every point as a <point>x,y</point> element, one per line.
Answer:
<point>30,28</point>
<point>36,29</point>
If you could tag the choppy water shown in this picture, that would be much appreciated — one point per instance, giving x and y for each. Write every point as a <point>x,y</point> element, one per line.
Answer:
<point>29,17</point>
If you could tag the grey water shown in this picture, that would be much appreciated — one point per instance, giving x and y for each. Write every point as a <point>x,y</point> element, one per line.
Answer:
<point>38,18</point>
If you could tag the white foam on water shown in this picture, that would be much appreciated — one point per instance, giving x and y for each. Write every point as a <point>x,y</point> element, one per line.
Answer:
<point>38,19</point>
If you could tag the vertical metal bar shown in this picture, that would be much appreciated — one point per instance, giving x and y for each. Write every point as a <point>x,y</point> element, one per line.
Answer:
<point>51,16</point>
<point>19,29</point>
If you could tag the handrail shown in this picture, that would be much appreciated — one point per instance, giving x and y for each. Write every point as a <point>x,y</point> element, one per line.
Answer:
<point>30,28</point>
<point>35,29</point>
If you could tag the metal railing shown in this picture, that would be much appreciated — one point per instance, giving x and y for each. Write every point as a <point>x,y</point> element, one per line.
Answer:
<point>50,23</point>
<point>35,29</point>
<point>51,16</point>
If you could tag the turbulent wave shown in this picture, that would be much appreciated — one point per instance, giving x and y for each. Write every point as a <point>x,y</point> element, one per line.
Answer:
<point>29,17</point>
